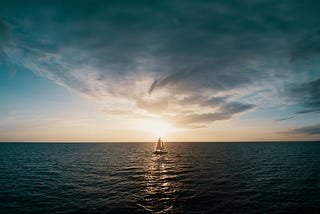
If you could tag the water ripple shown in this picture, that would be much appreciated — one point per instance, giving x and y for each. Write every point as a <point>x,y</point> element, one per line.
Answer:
<point>191,178</point>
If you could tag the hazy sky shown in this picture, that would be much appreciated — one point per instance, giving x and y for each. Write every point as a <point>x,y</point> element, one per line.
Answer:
<point>136,70</point>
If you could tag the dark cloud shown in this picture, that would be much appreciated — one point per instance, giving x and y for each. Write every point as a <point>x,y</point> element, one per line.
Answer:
<point>282,119</point>
<point>309,111</point>
<point>214,45</point>
<point>306,48</point>
<point>3,33</point>
<point>224,112</point>
<point>310,130</point>
<point>236,107</point>
<point>216,74</point>
<point>308,95</point>
<point>4,40</point>
<point>163,56</point>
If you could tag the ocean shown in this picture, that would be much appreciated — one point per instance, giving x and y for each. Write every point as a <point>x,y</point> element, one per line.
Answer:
<point>273,177</point>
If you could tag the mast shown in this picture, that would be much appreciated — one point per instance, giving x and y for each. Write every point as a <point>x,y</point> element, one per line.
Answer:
<point>159,149</point>
<point>159,144</point>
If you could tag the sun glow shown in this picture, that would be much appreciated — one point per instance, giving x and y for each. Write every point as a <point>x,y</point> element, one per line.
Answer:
<point>158,128</point>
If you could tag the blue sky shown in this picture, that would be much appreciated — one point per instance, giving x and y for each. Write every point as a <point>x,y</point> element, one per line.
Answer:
<point>205,70</point>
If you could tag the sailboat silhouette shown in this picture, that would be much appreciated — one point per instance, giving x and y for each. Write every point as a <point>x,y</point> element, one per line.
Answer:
<point>160,149</point>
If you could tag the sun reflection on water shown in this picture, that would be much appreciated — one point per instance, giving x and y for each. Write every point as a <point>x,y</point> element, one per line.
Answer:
<point>162,185</point>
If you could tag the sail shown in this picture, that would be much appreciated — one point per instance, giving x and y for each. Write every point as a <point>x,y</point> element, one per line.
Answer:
<point>159,149</point>
<point>162,145</point>
<point>159,144</point>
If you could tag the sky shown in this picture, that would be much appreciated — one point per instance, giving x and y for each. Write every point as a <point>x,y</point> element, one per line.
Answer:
<point>116,71</point>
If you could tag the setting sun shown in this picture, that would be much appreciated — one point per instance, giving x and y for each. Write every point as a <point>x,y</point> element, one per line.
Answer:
<point>156,127</point>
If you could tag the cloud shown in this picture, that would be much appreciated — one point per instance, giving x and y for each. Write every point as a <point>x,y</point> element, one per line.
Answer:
<point>307,47</point>
<point>224,112</point>
<point>308,111</point>
<point>235,107</point>
<point>218,75</point>
<point>282,119</point>
<point>4,40</point>
<point>203,101</point>
<point>3,33</point>
<point>309,130</point>
<point>308,95</point>
<point>185,61</point>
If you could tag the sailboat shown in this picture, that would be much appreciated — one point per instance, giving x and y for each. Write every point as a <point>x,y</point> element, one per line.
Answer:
<point>159,149</point>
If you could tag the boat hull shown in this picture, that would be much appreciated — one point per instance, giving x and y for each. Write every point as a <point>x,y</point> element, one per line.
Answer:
<point>160,152</point>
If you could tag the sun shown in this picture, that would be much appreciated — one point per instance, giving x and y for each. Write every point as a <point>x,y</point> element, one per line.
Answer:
<point>156,127</point>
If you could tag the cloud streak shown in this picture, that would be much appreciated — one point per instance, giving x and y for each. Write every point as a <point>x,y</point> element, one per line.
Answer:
<point>4,39</point>
<point>283,119</point>
<point>308,94</point>
<point>307,47</point>
<point>224,112</point>
<point>188,62</point>
<point>309,130</point>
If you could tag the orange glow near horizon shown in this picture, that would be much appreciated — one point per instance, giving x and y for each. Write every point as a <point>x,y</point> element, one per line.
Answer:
<point>156,127</point>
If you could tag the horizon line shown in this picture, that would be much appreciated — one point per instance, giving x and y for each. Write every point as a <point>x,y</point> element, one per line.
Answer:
<point>265,141</point>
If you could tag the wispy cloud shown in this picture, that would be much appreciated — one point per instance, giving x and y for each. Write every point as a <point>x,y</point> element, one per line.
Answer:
<point>308,95</point>
<point>188,62</point>
<point>224,112</point>
<point>4,39</point>
<point>306,48</point>
<point>282,119</point>
<point>309,130</point>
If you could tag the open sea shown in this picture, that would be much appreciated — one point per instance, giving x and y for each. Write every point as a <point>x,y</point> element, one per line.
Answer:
<point>194,177</point>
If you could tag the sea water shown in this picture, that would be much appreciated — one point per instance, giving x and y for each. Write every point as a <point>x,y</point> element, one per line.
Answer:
<point>194,177</point>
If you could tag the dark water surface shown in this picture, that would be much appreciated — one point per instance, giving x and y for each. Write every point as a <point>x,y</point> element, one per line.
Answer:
<point>191,178</point>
